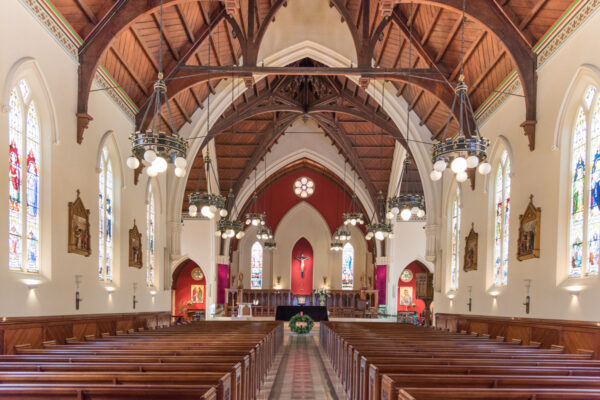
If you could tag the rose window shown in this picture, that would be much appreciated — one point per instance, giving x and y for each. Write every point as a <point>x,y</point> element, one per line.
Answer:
<point>304,187</point>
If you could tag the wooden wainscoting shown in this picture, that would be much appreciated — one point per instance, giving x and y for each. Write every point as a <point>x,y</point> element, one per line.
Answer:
<point>575,336</point>
<point>36,330</point>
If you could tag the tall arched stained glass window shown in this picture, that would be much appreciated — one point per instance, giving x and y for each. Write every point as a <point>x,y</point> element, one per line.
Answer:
<point>455,240</point>
<point>105,213</point>
<point>24,181</point>
<point>348,267</point>
<point>501,219</point>
<point>150,240</point>
<point>256,266</point>
<point>584,224</point>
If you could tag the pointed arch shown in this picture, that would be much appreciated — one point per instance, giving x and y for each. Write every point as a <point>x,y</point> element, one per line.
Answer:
<point>256,265</point>
<point>348,267</point>
<point>109,141</point>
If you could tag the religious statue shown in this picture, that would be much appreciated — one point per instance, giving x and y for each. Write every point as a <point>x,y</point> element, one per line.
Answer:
<point>241,280</point>
<point>301,258</point>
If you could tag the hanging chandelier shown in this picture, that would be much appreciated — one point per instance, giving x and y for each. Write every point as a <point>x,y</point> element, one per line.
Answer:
<point>255,219</point>
<point>228,229</point>
<point>264,233</point>
<point>353,216</point>
<point>342,234</point>
<point>207,203</point>
<point>405,204</point>
<point>467,149</point>
<point>270,245</point>
<point>336,246</point>
<point>380,230</point>
<point>155,146</point>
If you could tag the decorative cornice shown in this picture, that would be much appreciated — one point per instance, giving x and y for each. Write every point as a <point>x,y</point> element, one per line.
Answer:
<point>571,20</point>
<point>47,14</point>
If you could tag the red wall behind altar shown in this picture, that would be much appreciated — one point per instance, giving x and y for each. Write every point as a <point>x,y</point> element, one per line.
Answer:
<point>420,304</point>
<point>328,199</point>
<point>183,293</point>
<point>302,285</point>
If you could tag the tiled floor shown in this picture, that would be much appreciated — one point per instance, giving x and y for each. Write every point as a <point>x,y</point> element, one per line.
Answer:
<point>300,371</point>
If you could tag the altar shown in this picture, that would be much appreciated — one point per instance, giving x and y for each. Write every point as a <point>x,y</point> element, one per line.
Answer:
<point>317,313</point>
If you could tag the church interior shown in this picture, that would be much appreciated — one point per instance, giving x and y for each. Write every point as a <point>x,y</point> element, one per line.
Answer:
<point>300,199</point>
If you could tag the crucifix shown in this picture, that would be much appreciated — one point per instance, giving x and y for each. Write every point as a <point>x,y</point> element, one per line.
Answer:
<point>301,258</point>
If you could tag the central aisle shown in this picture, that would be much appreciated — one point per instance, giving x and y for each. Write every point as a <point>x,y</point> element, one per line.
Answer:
<point>299,371</point>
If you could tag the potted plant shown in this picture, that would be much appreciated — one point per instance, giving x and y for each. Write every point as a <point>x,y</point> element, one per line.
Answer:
<point>323,294</point>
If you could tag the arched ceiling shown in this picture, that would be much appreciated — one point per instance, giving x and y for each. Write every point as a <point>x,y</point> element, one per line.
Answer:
<point>122,36</point>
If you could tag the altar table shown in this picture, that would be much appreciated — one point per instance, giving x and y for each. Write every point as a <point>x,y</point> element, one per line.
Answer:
<point>317,313</point>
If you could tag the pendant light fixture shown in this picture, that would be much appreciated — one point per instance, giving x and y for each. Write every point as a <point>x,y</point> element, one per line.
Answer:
<point>380,228</point>
<point>467,149</point>
<point>154,146</point>
<point>353,216</point>
<point>406,204</point>
<point>207,203</point>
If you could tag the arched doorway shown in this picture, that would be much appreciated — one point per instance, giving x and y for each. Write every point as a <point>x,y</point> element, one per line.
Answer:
<point>407,288</point>
<point>188,289</point>
<point>302,267</point>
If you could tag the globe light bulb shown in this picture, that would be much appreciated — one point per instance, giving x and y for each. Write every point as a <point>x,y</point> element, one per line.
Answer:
<point>218,233</point>
<point>353,222</point>
<point>396,210</point>
<point>389,215</point>
<point>248,222</point>
<point>262,223</point>
<point>421,213</point>
<point>405,214</point>
<point>369,236</point>
<point>133,162</point>
<point>435,175</point>
<point>179,172</point>
<point>265,236</point>
<point>230,232</point>
<point>242,234</point>
<point>151,171</point>
<point>160,164</point>
<point>461,176</point>
<point>379,235</point>
<point>440,165</point>
<point>255,222</point>
<point>391,235</point>
<point>238,235</point>
<point>484,168</point>
<point>150,155</point>
<point>193,210</point>
<point>224,235</point>
<point>414,210</point>
<point>205,211</point>
<point>472,161</point>
<point>459,164</point>
<point>180,162</point>
<point>213,208</point>
<point>210,215</point>
<point>223,213</point>
<point>343,237</point>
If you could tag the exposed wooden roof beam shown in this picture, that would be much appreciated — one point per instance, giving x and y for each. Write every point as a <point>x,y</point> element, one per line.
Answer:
<point>473,87</point>
<point>536,8</point>
<point>431,27</point>
<point>168,42</point>
<point>144,48</point>
<point>449,39</point>
<point>468,54</point>
<point>429,114</point>
<point>130,71</point>
<point>89,13</point>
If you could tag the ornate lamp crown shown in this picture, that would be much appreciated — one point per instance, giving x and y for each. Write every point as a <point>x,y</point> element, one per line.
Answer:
<point>228,229</point>
<point>341,234</point>
<point>206,202</point>
<point>264,233</point>
<point>468,149</point>
<point>336,246</point>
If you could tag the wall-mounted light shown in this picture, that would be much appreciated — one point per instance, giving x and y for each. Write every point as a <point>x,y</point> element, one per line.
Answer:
<point>494,293</point>
<point>470,302</point>
<point>575,289</point>
<point>451,295</point>
<point>527,303</point>
<point>153,291</point>
<point>134,299</point>
<point>31,283</point>
<point>78,298</point>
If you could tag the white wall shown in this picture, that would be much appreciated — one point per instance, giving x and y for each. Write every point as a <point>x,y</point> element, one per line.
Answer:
<point>407,246</point>
<point>543,173</point>
<point>67,167</point>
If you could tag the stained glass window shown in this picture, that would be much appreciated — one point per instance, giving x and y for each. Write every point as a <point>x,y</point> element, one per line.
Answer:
<point>501,219</point>
<point>584,205</point>
<point>23,183</point>
<point>256,266</point>
<point>150,232</point>
<point>348,267</point>
<point>105,223</point>
<point>455,241</point>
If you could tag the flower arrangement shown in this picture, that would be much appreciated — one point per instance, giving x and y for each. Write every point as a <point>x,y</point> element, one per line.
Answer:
<point>323,294</point>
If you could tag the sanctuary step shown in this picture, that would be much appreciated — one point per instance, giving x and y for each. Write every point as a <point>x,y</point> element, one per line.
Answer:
<point>405,362</point>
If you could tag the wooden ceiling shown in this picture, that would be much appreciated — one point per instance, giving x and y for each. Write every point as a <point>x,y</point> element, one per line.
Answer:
<point>123,37</point>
